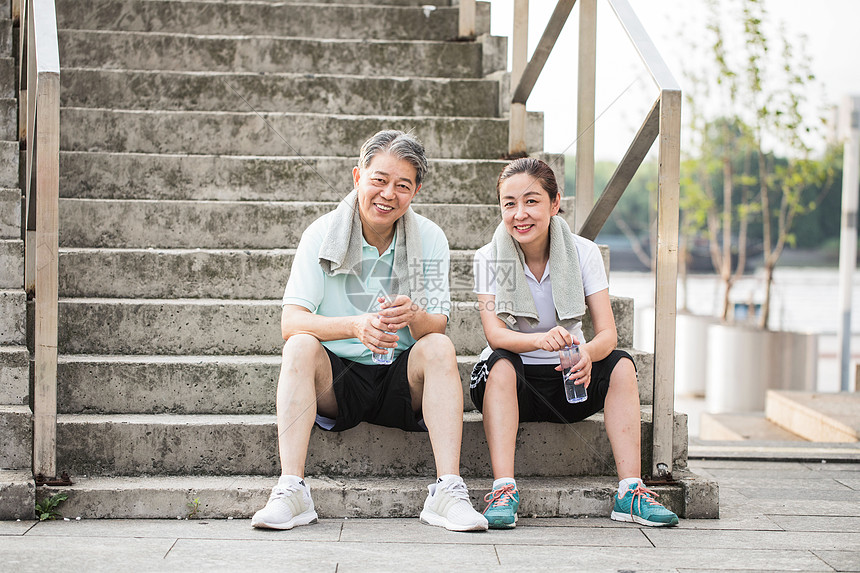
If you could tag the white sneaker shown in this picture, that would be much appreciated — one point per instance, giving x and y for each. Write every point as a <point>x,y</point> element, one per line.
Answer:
<point>289,505</point>
<point>448,505</point>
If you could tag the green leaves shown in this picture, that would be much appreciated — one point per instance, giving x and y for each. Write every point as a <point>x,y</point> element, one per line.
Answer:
<point>47,508</point>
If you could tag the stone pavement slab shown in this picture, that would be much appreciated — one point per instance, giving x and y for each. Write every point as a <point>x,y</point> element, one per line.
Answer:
<point>343,556</point>
<point>739,540</point>
<point>841,560</point>
<point>852,483</point>
<point>27,553</point>
<point>404,531</point>
<point>15,527</point>
<point>817,523</point>
<point>697,558</point>
<point>236,529</point>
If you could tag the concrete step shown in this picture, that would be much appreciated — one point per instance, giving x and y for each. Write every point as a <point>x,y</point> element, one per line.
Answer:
<point>350,2</point>
<point>14,375</point>
<point>9,176</point>
<point>815,416</point>
<point>100,175</point>
<point>11,263</point>
<point>168,444</point>
<point>212,327</point>
<point>300,93</point>
<point>16,427</point>
<point>17,495</point>
<point>742,427</point>
<point>114,223</point>
<point>13,317</point>
<point>267,54</point>
<point>10,210</point>
<point>8,77</point>
<point>311,20</point>
<point>202,384</point>
<point>238,497</point>
<point>199,273</point>
<point>303,134</point>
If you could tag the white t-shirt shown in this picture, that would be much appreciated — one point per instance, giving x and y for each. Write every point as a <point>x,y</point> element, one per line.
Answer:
<point>593,280</point>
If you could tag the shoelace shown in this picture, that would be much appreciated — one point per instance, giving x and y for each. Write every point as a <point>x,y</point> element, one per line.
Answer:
<point>284,490</point>
<point>501,497</point>
<point>456,488</point>
<point>643,493</point>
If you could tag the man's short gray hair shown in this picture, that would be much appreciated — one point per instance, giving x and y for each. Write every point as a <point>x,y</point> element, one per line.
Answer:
<point>401,145</point>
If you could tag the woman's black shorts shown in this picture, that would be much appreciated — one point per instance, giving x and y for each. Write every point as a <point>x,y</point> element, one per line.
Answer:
<point>540,391</point>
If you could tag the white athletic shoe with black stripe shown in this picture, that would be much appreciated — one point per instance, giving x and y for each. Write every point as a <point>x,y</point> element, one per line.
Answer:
<point>448,505</point>
<point>289,505</point>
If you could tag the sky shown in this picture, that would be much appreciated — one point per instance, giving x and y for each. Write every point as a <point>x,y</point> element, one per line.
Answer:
<point>625,92</point>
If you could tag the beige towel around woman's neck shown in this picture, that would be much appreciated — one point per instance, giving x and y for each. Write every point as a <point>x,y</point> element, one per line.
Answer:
<point>341,248</point>
<point>513,296</point>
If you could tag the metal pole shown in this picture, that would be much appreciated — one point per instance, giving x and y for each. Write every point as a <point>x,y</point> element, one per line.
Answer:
<point>850,130</point>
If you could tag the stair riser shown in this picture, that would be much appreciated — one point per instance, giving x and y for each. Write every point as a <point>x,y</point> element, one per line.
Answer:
<point>8,72</point>
<point>201,387</point>
<point>255,19</point>
<point>223,225</point>
<point>178,177</point>
<point>206,327</point>
<point>13,317</point>
<point>92,448</point>
<point>11,264</point>
<point>16,428</point>
<point>149,51</point>
<point>10,209</point>
<point>239,498</point>
<point>299,94</point>
<point>14,375</point>
<point>9,176</point>
<point>278,134</point>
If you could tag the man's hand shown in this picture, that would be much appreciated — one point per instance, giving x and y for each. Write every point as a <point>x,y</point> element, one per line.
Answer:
<point>372,332</point>
<point>397,313</point>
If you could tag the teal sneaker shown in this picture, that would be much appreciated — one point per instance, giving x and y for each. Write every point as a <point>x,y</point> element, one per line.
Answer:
<point>638,505</point>
<point>502,504</point>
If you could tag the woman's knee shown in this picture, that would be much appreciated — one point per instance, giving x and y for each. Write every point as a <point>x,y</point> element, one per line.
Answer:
<point>624,374</point>
<point>502,375</point>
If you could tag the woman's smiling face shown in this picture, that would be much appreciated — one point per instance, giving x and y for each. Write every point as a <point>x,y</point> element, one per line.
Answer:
<point>526,208</point>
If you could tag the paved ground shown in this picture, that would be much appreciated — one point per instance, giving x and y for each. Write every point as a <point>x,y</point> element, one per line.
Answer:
<point>776,516</point>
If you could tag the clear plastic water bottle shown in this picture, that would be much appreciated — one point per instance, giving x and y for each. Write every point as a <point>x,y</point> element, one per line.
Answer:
<point>386,357</point>
<point>569,357</point>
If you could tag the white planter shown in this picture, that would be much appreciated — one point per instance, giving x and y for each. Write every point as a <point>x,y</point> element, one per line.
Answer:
<point>744,362</point>
<point>691,353</point>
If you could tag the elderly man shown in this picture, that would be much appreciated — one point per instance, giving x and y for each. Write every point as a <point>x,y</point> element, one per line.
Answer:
<point>364,319</point>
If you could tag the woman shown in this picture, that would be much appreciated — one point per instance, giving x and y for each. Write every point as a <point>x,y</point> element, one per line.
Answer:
<point>518,378</point>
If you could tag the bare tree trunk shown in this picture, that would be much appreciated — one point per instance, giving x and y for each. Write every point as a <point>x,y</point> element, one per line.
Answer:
<point>769,260</point>
<point>726,269</point>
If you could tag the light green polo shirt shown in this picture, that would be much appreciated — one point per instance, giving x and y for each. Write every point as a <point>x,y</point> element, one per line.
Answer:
<point>350,295</point>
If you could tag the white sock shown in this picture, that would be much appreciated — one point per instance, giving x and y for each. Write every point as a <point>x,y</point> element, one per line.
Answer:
<point>625,484</point>
<point>447,477</point>
<point>284,481</point>
<point>502,481</point>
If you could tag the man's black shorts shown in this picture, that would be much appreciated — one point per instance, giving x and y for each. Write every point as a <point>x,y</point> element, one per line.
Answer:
<point>540,391</point>
<point>373,393</point>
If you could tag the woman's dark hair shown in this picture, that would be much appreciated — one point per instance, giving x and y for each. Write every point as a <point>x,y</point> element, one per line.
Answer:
<point>534,168</point>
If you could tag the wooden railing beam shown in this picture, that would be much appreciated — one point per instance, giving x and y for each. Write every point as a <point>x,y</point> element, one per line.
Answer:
<point>623,174</point>
<point>665,305</point>
<point>467,19</point>
<point>535,65</point>
<point>519,59</point>
<point>585,107</point>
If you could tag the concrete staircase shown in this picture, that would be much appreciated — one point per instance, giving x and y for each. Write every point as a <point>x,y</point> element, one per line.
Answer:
<point>199,139</point>
<point>17,492</point>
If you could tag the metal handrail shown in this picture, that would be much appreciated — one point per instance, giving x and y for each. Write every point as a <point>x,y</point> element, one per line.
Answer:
<point>39,133</point>
<point>662,123</point>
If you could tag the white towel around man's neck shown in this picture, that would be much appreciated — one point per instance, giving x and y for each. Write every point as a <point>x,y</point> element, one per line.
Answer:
<point>341,250</point>
<point>513,296</point>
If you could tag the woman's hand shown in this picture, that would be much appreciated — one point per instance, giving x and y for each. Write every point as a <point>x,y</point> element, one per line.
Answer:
<point>372,332</point>
<point>582,370</point>
<point>555,339</point>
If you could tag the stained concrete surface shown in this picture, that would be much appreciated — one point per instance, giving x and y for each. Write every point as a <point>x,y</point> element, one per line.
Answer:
<point>775,516</point>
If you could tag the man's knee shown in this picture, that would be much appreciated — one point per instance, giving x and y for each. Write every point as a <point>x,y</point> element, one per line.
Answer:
<point>302,352</point>
<point>436,349</point>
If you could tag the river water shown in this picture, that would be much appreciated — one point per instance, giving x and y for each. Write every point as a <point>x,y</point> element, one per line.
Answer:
<point>803,300</point>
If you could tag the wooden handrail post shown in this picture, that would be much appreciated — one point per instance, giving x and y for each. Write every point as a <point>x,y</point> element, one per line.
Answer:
<point>668,192</point>
<point>517,127</point>
<point>585,110</point>
<point>467,19</point>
